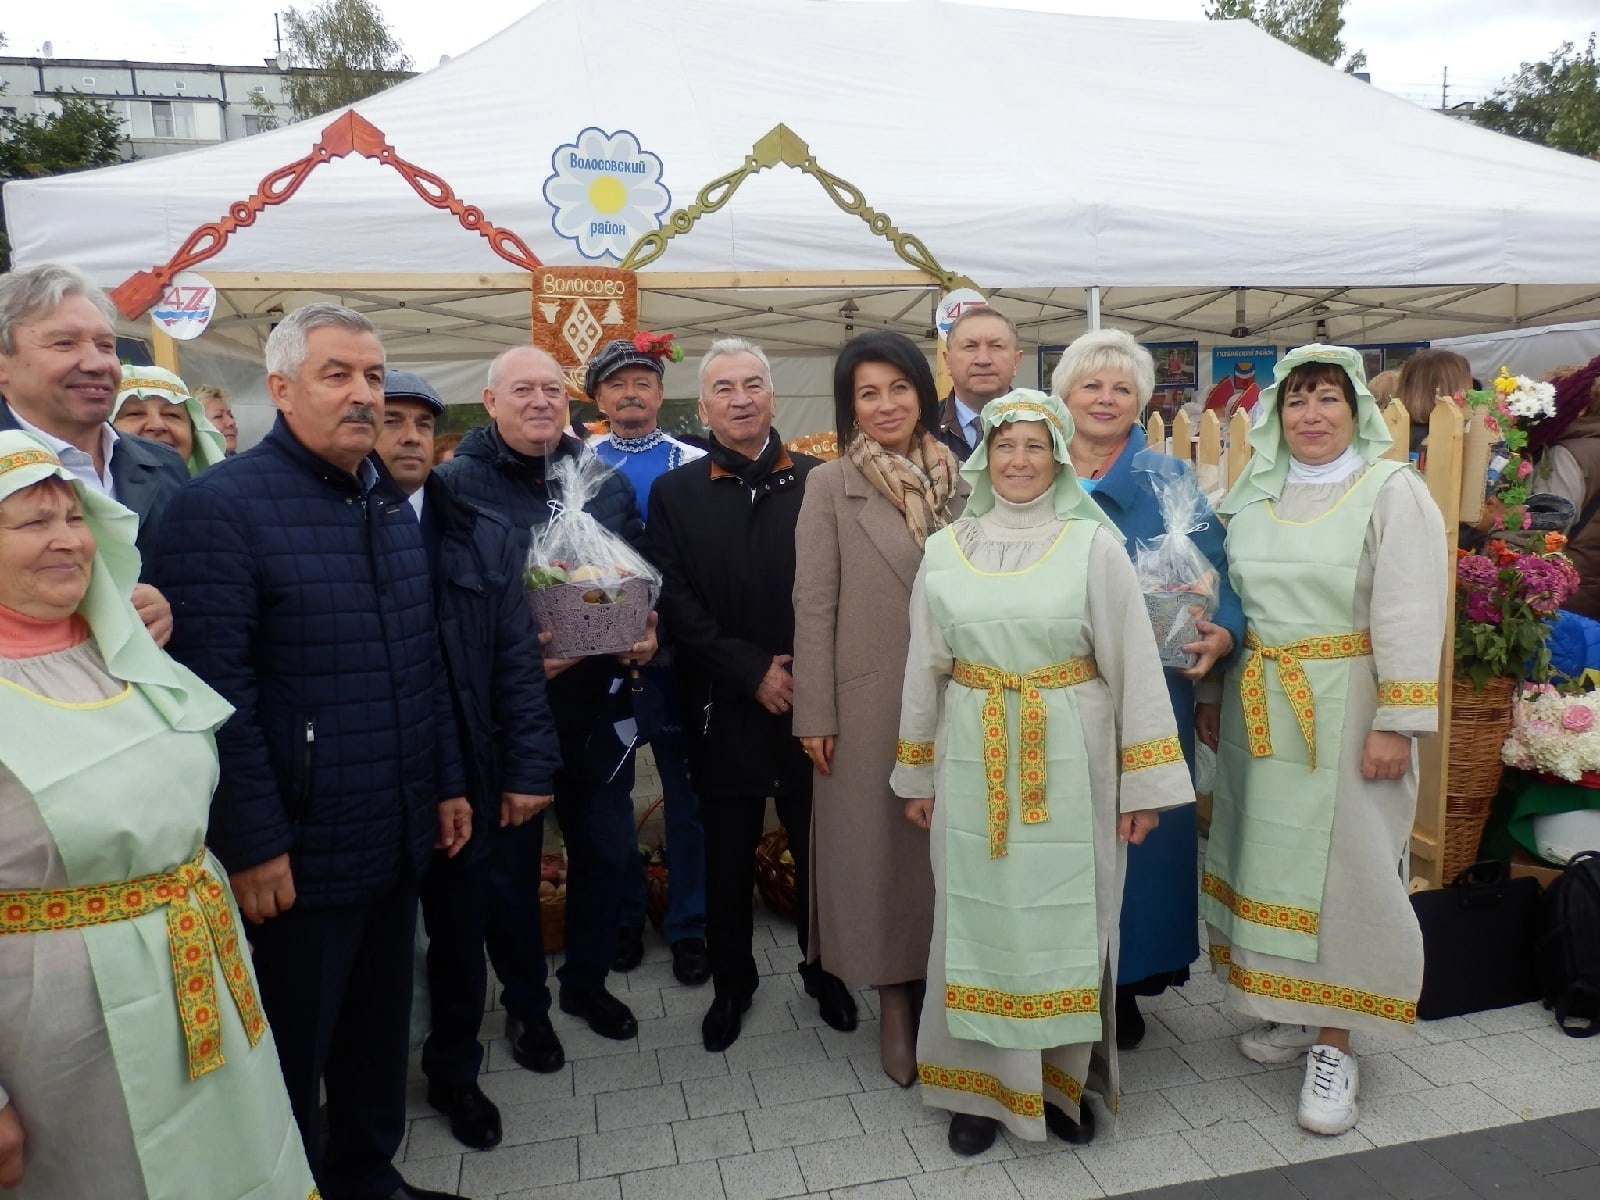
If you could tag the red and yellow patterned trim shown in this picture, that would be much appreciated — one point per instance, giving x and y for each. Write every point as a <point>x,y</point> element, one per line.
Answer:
<point>1296,685</point>
<point>981,1083</point>
<point>1157,752</point>
<point>1063,1083</point>
<point>1408,693</point>
<point>1031,772</point>
<point>199,922</point>
<point>1314,991</point>
<point>27,458</point>
<point>1031,1006</point>
<point>913,754</point>
<point>1260,912</point>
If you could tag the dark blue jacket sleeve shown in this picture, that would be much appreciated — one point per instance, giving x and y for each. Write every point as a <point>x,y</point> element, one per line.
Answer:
<point>521,704</point>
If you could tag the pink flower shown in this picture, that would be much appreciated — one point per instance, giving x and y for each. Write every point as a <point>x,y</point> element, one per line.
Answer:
<point>1524,469</point>
<point>1577,717</point>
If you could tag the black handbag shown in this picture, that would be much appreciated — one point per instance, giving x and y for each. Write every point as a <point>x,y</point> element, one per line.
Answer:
<point>1478,939</point>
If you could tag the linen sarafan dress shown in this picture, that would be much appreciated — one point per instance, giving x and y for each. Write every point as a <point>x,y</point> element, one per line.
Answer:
<point>126,1092</point>
<point>1343,586</point>
<point>1035,713</point>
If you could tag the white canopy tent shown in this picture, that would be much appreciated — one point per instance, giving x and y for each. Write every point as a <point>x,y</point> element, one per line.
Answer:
<point>1209,182</point>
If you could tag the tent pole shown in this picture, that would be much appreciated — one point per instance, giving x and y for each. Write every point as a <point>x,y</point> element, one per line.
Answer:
<point>164,350</point>
<point>1094,307</point>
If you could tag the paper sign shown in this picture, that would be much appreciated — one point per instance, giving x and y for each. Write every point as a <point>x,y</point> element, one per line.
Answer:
<point>185,308</point>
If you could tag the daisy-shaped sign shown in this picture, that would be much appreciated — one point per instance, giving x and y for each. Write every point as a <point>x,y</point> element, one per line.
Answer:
<point>606,192</point>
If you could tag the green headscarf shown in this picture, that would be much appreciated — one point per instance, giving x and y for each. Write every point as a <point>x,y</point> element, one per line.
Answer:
<point>1072,503</point>
<point>130,653</point>
<point>1269,464</point>
<point>210,447</point>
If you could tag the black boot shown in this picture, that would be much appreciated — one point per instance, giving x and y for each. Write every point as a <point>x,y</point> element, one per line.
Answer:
<point>971,1135</point>
<point>834,1001</point>
<point>1130,1021</point>
<point>1079,1132</point>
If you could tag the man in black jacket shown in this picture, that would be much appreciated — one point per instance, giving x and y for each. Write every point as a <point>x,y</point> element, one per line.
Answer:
<point>983,354</point>
<point>721,531</point>
<point>504,468</point>
<point>508,741</point>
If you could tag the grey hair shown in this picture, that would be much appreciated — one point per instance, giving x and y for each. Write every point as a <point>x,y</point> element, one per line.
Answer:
<point>1102,348</point>
<point>286,351</point>
<point>28,295</point>
<point>723,347</point>
<point>491,379</point>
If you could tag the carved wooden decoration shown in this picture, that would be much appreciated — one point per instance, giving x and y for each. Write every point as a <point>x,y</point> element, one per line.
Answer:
<point>576,310</point>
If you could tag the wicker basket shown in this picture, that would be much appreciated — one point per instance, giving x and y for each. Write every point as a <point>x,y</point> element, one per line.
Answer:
<point>587,619</point>
<point>774,876</point>
<point>553,912</point>
<point>1479,722</point>
<point>655,872</point>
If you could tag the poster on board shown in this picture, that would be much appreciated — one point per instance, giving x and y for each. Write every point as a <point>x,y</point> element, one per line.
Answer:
<point>1177,376</point>
<point>1239,372</point>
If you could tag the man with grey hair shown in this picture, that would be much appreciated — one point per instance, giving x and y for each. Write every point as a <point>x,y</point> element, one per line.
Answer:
<point>304,588</point>
<point>721,531</point>
<point>983,354</point>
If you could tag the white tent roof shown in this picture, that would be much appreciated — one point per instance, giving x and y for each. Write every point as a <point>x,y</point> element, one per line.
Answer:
<point>1169,163</point>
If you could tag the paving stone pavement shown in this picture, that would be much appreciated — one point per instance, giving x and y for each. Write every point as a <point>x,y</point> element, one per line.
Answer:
<point>1496,1104</point>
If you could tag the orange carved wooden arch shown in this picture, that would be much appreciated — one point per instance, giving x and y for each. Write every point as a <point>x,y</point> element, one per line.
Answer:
<point>350,133</point>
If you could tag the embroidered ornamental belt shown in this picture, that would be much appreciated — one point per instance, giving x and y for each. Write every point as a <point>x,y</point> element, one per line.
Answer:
<point>199,923</point>
<point>1031,773</point>
<point>1296,684</point>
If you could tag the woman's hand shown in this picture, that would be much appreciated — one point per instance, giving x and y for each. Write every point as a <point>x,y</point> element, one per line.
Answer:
<point>1208,723</point>
<point>11,1143</point>
<point>154,612</point>
<point>1133,827</point>
<point>920,812</point>
<point>1215,643</point>
<point>820,751</point>
<point>1385,755</point>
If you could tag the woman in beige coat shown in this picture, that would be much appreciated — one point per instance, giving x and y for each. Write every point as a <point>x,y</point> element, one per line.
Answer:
<point>858,547</point>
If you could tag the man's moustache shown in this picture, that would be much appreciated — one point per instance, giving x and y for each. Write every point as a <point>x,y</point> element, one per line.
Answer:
<point>629,402</point>
<point>364,416</point>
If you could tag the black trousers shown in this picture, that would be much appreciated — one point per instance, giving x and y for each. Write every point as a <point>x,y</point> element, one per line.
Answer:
<point>336,986</point>
<point>733,827</point>
<point>455,912</point>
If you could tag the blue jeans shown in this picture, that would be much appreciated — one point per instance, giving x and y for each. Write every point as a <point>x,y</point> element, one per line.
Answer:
<point>686,848</point>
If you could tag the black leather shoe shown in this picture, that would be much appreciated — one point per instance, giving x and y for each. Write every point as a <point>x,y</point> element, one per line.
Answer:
<point>607,1016</point>
<point>834,1001</point>
<point>474,1120</point>
<point>408,1191</point>
<point>720,1029</point>
<point>691,963</point>
<point>630,949</point>
<point>534,1044</point>
<point>1079,1132</point>
<point>971,1135</point>
<point>1130,1021</point>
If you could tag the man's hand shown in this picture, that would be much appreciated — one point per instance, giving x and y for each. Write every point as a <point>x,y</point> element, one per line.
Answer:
<point>1215,643</point>
<point>1385,755</point>
<point>455,826</point>
<point>154,611</point>
<point>1132,827</point>
<point>554,666</point>
<point>1208,723</point>
<point>820,751</point>
<point>642,652</point>
<point>264,890</point>
<point>11,1143</point>
<point>517,808</point>
<point>920,812</point>
<point>776,693</point>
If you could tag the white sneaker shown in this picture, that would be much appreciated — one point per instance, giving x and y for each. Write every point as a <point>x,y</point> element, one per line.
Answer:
<point>1272,1043</point>
<point>1328,1095</point>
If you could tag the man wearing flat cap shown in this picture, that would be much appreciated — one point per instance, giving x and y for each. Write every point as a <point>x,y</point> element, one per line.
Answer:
<point>625,380</point>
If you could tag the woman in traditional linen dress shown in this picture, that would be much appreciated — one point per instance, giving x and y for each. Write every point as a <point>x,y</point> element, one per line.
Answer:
<point>1339,558</point>
<point>155,403</point>
<point>1105,379</point>
<point>135,1062</point>
<point>858,544</point>
<point>1036,740</point>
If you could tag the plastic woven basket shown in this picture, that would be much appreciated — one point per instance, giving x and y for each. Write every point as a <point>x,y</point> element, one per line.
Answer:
<point>588,619</point>
<point>1174,626</point>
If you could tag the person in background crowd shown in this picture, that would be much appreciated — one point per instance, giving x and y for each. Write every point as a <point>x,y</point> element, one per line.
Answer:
<point>982,352</point>
<point>1105,379</point>
<point>1029,797</point>
<point>58,379</point>
<point>1384,386</point>
<point>509,747</point>
<point>302,585</point>
<point>109,770</point>
<point>721,532</point>
<point>504,468</point>
<point>444,447</point>
<point>1566,448</point>
<point>214,400</point>
<point>625,382</point>
<point>858,544</point>
<point>1425,377</point>
<point>1338,558</point>
<point>156,404</point>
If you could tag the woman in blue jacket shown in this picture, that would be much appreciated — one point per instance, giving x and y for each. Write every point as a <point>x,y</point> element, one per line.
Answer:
<point>1106,379</point>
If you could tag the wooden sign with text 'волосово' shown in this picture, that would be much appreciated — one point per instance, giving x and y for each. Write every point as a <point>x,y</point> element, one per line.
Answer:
<point>576,310</point>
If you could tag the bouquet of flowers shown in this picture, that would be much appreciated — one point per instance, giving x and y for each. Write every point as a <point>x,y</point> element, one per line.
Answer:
<point>1508,408</point>
<point>1178,581</point>
<point>1504,597</point>
<point>1554,733</point>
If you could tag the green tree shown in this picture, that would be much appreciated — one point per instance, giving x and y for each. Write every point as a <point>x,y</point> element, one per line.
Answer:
<point>340,51</point>
<point>265,110</point>
<point>1314,27</point>
<point>1555,103</point>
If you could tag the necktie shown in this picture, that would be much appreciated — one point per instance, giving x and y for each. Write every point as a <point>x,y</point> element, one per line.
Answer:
<point>974,427</point>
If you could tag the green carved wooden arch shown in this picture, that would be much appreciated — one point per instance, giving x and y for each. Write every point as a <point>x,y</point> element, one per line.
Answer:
<point>783,145</point>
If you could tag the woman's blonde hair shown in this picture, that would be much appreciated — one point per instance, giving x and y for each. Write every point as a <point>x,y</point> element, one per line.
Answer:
<point>1385,385</point>
<point>1102,348</point>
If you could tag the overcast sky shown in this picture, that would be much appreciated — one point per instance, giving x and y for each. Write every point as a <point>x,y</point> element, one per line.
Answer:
<point>1408,42</point>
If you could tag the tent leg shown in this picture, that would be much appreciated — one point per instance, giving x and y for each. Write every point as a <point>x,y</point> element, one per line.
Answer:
<point>164,350</point>
<point>1094,307</point>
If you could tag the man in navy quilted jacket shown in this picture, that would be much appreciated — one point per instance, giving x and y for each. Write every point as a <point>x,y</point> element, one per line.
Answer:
<point>301,591</point>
